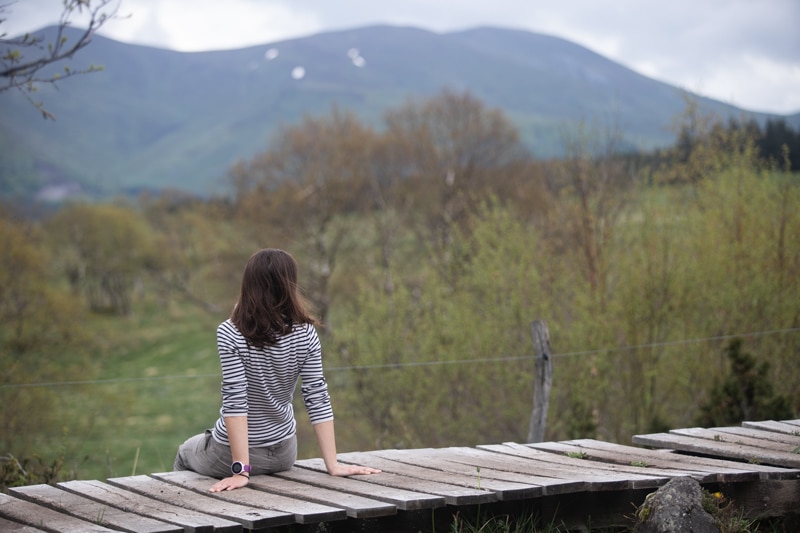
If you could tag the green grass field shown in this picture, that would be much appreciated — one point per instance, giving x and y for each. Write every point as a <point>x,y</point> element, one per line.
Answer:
<point>158,385</point>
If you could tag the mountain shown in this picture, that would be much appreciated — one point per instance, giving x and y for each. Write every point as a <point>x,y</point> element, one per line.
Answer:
<point>159,119</point>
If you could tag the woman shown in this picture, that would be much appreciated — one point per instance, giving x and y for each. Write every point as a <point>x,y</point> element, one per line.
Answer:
<point>264,347</point>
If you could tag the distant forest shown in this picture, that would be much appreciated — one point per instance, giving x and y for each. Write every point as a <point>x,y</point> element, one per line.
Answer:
<point>670,282</point>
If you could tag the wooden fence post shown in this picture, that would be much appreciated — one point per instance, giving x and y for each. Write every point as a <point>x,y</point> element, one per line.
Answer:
<point>543,378</point>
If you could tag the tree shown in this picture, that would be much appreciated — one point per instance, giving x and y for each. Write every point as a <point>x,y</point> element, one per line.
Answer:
<point>38,324</point>
<point>23,59</point>
<point>594,182</point>
<point>745,394</point>
<point>451,151</point>
<point>304,187</point>
<point>778,137</point>
<point>104,250</point>
<point>435,362</point>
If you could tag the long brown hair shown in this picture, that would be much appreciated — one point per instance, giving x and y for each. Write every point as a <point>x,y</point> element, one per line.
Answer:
<point>270,302</point>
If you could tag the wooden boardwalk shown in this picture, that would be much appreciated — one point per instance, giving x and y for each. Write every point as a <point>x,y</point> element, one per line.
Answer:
<point>757,465</point>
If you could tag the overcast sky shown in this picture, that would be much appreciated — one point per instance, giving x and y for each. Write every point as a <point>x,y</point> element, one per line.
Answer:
<point>743,52</point>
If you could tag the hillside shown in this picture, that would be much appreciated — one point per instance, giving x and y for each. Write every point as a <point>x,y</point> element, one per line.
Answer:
<point>158,119</point>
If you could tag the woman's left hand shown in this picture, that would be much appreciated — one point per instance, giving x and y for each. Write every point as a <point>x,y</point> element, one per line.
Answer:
<point>352,470</point>
<point>229,483</point>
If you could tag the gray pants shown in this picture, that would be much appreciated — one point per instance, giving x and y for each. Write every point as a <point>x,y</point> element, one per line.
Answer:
<point>204,455</point>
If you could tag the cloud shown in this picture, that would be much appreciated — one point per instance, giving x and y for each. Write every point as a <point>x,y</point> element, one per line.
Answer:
<point>211,24</point>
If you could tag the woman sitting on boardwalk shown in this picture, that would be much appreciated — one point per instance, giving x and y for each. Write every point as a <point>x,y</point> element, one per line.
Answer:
<point>264,347</point>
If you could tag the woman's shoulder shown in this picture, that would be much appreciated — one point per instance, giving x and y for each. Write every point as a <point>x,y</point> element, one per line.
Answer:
<point>302,334</point>
<point>228,329</point>
<point>304,330</point>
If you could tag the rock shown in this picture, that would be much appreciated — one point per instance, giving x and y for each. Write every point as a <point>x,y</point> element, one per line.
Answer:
<point>675,507</point>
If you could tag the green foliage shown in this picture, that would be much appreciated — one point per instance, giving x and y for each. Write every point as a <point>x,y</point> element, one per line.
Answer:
<point>501,524</point>
<point>31,470</point>
<point>429,293</point>
<point>453,343</point>
<point>726,516</point>
<point>745,394</point>
<point>104,249</point>
<point>39,324</point>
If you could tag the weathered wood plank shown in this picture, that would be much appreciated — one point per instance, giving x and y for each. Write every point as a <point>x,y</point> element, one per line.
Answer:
<point>468,483</point>
<point>486,468</point>
<point>729,435</point>
<point>604,476</point>
<point>91,510</point>
<point>767,439</point>
<point>305,512</point>
<point>717,448</point>
<point>405,500</point>
<point>564,478</point>
<point>355,506</point>
<point>662,467</point>
<point>775,426</point>
<point>506,485</point>
<point>7,526</point>
<point>453,495</point>
<point>248,516</point>
<point>760,449</point>
<point>190,521</point>
<point>724,470</point>
<point>41,517</point>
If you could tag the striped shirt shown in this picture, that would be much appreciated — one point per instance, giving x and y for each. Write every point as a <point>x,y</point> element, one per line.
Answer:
<point>259,383</point>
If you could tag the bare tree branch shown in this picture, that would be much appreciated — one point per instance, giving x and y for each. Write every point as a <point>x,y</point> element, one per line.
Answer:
<point>23,58</point>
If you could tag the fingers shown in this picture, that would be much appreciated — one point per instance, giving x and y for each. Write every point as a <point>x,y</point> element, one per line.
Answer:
<point>368,470</point>
<point>229,483</point>
<point>354,470</point>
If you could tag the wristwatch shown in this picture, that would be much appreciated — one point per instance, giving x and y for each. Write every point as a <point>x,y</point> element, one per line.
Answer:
<point>239,467</point>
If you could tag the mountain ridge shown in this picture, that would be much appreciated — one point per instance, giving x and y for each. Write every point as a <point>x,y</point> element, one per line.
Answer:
<point>161,119</point>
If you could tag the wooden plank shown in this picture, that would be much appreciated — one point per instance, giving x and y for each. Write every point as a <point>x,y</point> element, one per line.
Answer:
<point>405,500</point>
<point>190,521</point>
<point>248,516</point>
<point>31,514</point>
<point>355,506</point>
<point>725,471</point>
<point>576,478</point>
<point>7,526</point>
<point>770,439</point>
<point>305,512</point>
<point>661,467</point>
<point>91,510</point>
<point>453,495</point>
<point>554,479</point>
<point>468,483</point>
<point>761,450</point>
<point>716,448</point>
<point>775,426</point>
<point>486,470</point>
<point>735,435</point>
<point>508,486</point>
<point>603,476</point>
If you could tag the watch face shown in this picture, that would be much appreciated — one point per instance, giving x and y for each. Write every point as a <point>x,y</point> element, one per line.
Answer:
<point>237,467</point>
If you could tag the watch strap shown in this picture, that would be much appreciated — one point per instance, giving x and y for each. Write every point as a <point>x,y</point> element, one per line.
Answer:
<point>239,468</point>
